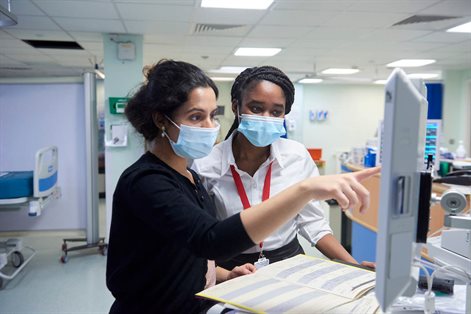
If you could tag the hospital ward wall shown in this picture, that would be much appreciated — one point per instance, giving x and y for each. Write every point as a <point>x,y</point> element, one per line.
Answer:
<point>354,112</point>
<point>37,115</point>
<point>457,109</point>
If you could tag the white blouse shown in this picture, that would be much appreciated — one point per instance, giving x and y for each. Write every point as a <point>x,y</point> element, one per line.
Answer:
<point>291,164</point>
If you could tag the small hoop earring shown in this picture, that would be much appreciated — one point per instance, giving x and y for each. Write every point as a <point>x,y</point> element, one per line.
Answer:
<point>163,132</point>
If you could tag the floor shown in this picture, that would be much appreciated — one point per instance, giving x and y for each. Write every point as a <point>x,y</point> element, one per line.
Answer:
<point>46,285</point>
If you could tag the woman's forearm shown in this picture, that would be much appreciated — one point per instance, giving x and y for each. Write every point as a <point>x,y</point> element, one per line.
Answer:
<point>263,219</point>
<point>221,274</point>
<point>331,248</point>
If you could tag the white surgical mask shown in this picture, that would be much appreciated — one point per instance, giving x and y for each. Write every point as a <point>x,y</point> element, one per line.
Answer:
<point>261,131</point>
<point>194,142</point>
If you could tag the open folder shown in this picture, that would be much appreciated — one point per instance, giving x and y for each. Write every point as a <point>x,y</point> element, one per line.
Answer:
<point>301,284</point>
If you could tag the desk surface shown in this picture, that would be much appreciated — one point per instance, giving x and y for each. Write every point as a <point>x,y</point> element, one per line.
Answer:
<point>370,218</point>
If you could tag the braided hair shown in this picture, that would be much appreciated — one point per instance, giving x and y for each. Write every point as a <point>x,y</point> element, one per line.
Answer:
<point>249,77</point>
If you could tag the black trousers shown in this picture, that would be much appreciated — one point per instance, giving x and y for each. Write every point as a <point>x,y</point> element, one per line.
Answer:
<point>289,250</point>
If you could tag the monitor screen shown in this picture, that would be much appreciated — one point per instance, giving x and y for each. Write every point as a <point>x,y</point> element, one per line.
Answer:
<point>405,114</point>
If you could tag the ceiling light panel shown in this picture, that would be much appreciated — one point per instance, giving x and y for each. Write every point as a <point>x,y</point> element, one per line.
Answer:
<point>407,63</point>
<point>229,69</point>
<point>310,81</point>
<point>227,16</point>
<point>239,4</point>
<point>340,71</point>
<point>222,79</point>
<point>463,28</point>
<point>257,52</point>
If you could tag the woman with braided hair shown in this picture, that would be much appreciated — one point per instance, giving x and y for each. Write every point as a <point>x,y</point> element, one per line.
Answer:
<point>254,164</point>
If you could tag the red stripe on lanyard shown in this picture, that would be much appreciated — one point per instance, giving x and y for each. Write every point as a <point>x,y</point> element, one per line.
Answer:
<point>241,190</point>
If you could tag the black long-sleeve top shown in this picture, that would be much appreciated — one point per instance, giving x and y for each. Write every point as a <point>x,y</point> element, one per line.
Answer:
<point>163,230</point>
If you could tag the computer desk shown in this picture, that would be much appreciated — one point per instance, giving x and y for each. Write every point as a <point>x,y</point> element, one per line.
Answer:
<point>369,219</point>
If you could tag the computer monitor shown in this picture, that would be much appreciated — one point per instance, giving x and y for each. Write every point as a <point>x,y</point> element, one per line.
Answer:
<point>405,114</point>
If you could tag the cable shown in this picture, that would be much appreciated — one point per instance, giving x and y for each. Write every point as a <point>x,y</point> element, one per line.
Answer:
<point>453,271</point>
<point>429,296</point>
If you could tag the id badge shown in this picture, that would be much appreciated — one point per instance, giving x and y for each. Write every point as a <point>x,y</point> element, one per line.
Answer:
<point>262,262</point>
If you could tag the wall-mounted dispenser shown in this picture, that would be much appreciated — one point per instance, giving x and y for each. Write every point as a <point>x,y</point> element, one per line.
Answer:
<point>119,136</point>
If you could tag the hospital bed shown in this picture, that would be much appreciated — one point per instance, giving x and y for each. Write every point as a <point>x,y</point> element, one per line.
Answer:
<point>34,190</point>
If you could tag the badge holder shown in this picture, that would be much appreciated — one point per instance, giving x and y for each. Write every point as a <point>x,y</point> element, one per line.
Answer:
<point>262,261</point>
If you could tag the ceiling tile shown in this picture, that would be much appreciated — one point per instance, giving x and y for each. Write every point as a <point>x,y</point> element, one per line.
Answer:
<point>33,58</point>
<point>204,49</point>
<point>91,45</point>
<point>87,36</point>
<point>9,62</point>
<point>35,22</point>
<point>459,61</point>
<point>5,35</point>
<point>40,34</point>
<point>461,48</point>
<point>394,34</point>
<point>15,46</point>
<point>164,2</point>
<point>212,40</point>
<point>279,31</point>
<point>312,5</point>
<point>25,8</point>
<point>365,19</point>
<point>155,12</point>
<point>434,26</point>
<point>338,33</point>
<point>78,9</point>
<point>243,61</point>
<point>164,39</point>
<point>90,25</point>
<point>391,6</point>
<point>65,53</point>
<point>156,27</point>
<point>443,37</point>
<point>74,61</point>
<point>297,18</point>
<point>317,44</point>
<point>450,7</point>
<point>265,42</point>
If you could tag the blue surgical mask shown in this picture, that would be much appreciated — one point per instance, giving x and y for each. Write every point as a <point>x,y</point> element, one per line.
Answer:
<point>193,142</point>
<point>261,131</point>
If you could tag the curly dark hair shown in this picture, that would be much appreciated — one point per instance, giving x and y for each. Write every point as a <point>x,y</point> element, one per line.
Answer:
<point>167,86</point>
<point>249,77</point>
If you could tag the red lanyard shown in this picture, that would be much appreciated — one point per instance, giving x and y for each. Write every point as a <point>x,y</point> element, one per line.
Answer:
<point>243,195</point>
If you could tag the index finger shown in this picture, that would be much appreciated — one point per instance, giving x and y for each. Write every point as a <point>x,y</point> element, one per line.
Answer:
<point>366,173</point>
